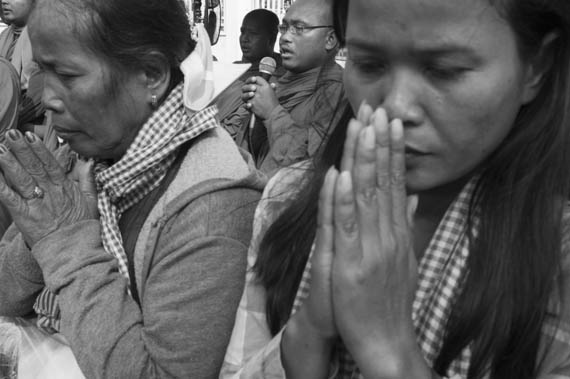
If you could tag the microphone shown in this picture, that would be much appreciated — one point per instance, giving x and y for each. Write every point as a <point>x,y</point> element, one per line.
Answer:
<point>267,67</point>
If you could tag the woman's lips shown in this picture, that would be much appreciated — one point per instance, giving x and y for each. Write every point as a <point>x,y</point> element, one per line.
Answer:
<point>63,132</point>
<point>414,156</point>
<point>413,151</point>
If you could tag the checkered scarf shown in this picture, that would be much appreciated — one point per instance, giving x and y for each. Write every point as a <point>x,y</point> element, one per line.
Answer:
<point>440,278</point>
<point>129,180</point>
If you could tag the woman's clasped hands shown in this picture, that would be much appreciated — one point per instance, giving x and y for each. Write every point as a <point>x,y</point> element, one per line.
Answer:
<point>38,192</point>
<point>364,271</point>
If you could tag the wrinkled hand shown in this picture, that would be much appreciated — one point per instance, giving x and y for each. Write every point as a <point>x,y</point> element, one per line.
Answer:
<point>66,198</point>
<point>374,268</point>
<point>259,96</point>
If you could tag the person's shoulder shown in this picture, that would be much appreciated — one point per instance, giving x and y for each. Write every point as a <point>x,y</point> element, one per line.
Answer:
<point>280,191</point>
<point>8,74</point>
<point>287,182</point>
<point>332,71</point>
<point>212,163</point>
<point>5,64</point>
<point>7,30</point>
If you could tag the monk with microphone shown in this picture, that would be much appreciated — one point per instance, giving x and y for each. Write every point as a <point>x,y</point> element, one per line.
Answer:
<point>294,114</point>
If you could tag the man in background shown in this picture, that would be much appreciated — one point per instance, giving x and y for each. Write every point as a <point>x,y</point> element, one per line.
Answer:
<point>15,46</point>
<point>258,34</point>
<point>294,115</point>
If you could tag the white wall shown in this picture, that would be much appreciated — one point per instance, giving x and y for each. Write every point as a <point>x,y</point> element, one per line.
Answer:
<point>227,49</point>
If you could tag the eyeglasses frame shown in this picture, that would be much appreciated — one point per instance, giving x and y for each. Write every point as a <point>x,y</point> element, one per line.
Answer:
<point>294,30</point>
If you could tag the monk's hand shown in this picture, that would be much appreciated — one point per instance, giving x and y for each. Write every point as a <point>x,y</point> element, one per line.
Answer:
<point>35,189</point>
<point>259,96</point>
<point>374,269</point>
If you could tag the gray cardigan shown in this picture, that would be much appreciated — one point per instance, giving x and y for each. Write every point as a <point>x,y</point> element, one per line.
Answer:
<point>190,260</point>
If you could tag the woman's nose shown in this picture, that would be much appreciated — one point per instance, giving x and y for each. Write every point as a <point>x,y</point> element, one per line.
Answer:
<point>402,98</point>
<point>50,99</point>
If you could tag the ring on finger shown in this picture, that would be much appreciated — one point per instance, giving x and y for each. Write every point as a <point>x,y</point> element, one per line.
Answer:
<point>37,193</point>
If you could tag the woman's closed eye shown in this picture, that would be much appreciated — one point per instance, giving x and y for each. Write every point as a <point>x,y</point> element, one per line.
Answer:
<point>63,75</point>
<point>369,66</point>
<point>445,71</point>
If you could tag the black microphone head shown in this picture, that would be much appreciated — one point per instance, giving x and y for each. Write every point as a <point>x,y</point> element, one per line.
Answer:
<point>267,66</point>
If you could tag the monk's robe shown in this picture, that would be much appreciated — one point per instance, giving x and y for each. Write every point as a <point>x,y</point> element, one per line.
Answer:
<point>310,103</point>
<point>231,109</point>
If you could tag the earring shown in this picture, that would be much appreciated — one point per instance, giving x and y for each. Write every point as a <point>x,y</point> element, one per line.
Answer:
<point>153,101</point>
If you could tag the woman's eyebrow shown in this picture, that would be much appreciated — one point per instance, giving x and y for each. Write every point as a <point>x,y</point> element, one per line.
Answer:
<point>427,51</point>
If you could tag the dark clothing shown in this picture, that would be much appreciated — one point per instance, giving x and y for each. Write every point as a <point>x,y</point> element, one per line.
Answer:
<point>309,105</point>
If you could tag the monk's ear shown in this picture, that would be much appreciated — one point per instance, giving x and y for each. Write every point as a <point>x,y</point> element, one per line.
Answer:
<point>538,67</point>
<point>331,41</point>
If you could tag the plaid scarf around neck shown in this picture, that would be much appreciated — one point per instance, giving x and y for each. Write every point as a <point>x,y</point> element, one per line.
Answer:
<point>128,181</point>
<point>441,273</point>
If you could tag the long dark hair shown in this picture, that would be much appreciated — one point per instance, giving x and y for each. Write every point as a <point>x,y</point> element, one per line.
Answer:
<point>523,187</point>
<point>131,34</point>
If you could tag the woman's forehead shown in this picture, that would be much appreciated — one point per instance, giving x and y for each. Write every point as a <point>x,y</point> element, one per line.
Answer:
<point>404,11</point>
<point>59,43</point>
<point>422,24</point>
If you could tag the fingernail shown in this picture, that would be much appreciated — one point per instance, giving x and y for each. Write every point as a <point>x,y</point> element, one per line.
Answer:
<point>380,113</point>
<point>364,112</point>
<point>368,137</point>
<point>332,171</point>
<point>397,130</point>
<point>3,149</point>
<point>30,137</point>
<point>14,135</point>
<point>345,181</point>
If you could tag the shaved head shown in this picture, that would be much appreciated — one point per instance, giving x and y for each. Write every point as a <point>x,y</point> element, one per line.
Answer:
<point>321,10</point>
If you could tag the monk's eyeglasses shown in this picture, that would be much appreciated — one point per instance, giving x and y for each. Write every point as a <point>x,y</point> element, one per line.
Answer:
<point>298,29</point>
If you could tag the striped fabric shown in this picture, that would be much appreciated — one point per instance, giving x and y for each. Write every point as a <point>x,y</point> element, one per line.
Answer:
<point>129,180</point>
